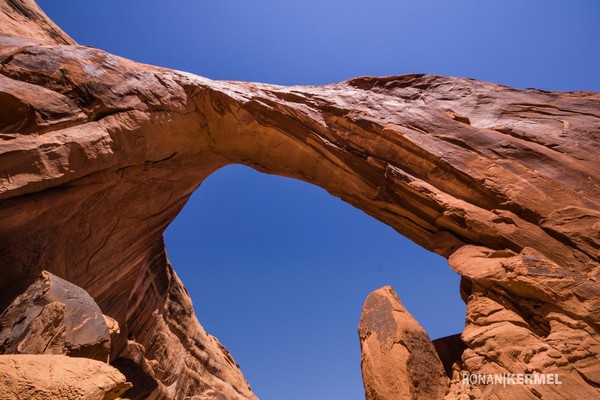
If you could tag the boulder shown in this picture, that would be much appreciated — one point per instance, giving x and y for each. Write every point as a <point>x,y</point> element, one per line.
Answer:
<point>54,316</point>
<point>43,377</point>
<point>399,362</point>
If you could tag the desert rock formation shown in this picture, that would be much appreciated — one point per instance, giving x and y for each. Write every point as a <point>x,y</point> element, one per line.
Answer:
<point>98,154</point>
<point>43,377</point>
<point>399,362</point>
<point>54,316</point>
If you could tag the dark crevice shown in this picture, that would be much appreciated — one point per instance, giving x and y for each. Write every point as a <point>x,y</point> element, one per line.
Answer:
<point>587,380</point>
<point>107,113</point>
<point>450,350</point>
<point>564,239</point>
<point>143,384</point>
<point>24,10</point>
<point>466,288</point>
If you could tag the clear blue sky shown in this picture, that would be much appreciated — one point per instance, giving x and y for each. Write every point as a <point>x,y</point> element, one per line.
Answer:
<point>277,269</point>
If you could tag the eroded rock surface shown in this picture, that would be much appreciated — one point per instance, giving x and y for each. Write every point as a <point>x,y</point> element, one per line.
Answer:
<point>527,315</point>
<point>98,154</point>
<point>399,362</point>
<point>54,316</point>
<point>43,377</point>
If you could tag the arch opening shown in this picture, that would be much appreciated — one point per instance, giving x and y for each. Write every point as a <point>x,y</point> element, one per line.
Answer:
<point>278,270</point>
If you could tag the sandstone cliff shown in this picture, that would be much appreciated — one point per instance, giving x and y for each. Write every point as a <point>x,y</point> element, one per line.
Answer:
<point>98,154</point>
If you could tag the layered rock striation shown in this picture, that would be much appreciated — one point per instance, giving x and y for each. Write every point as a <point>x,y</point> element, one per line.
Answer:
<point>98,154</point>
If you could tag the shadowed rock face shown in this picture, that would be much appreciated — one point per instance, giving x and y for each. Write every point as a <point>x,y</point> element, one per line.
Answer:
<point>98,154</point>
<point>54,316</point>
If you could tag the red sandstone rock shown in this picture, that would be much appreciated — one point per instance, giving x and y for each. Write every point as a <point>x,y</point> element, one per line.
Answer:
<point>98,154</point>
<point>525,314</point>
<point>398,359</point>
<point>44,377</point>
<point>23,19</point>
<point>54,316</point>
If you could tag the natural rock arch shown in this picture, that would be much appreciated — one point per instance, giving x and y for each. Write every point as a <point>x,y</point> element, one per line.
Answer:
<point>99,153</point>
<point>242,249</point>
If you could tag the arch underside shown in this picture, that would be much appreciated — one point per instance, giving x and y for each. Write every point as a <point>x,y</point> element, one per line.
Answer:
<point>98,154</point>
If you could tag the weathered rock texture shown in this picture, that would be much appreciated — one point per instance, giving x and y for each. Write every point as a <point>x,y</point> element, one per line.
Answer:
<point>98,154</point>
<point>44,377</point>
<point>526,314</point>
<point>399,361</point>
<point>54,316</point>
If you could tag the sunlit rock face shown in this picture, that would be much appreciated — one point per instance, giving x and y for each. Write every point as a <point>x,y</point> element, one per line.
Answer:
<point>57,377</point>
<point>98,154</point>
<point>399,362</point>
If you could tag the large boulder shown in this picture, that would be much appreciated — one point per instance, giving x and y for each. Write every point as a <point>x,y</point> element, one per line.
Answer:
<point>399,362</point>
<point>44,377</point>
<point>54,316</point>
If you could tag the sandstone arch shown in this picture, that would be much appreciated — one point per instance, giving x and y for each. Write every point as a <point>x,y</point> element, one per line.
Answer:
<point>99,153</point>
